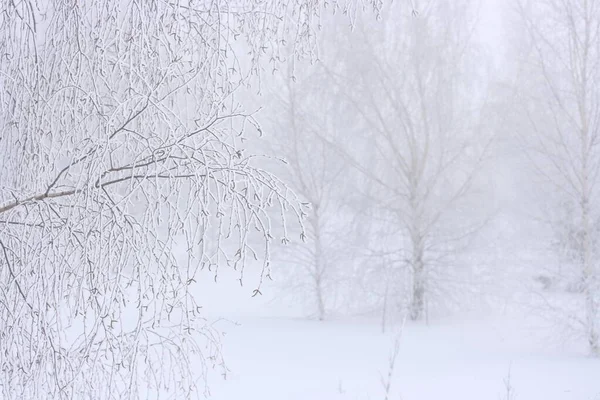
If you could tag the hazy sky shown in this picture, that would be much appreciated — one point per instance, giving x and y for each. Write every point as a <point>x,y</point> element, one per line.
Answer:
<point>491,28</point>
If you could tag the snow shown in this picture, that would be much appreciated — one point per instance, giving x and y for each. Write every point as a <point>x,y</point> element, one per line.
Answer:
<point>273,353</point>
<point>296,359</point>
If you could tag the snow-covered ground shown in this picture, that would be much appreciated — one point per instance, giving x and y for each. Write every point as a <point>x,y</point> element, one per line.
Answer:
<point>277,358</point>
<point>272,354</point>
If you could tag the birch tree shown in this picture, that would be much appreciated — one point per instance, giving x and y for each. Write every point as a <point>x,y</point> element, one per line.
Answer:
<point>415,90</point>
<point>120,136</point>
<point>560,78</point>
<point>307,106</point>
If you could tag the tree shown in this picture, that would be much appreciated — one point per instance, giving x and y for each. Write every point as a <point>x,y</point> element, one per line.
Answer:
<point>560,78</point>
<point>415,88</point>
<point>120,137</point>
<point>306,107</point>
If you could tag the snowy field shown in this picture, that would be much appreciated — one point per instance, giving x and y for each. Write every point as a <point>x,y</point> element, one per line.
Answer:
<point>278,358</point>
<point>274,354</point>
<point>309,360</point>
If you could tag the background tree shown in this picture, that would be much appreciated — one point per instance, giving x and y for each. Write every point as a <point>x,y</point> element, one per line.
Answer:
<point>306,106</point>
<point>414,87</point>
<point>306,113</point>
<point>559,113</point>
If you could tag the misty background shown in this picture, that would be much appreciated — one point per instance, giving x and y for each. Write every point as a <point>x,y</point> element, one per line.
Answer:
<point>416,140</point>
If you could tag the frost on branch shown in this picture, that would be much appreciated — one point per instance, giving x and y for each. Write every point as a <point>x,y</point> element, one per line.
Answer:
<point>120,136</point>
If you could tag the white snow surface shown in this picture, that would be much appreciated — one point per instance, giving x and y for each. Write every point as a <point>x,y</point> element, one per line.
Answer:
<point>279,357</point>
<point>276,358</point>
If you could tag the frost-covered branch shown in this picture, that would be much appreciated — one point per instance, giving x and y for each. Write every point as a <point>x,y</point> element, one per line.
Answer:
<point>121,143</point>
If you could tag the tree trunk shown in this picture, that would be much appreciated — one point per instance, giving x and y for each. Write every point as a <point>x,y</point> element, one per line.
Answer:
<point>417,307</point>
<point>320,302</point>
<point>587,264</point>
<point>589,286</point>
<point>385,304</point>
<point>319,267</point>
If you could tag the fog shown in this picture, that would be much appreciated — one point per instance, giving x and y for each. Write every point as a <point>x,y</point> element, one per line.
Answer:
<point>300,199</point>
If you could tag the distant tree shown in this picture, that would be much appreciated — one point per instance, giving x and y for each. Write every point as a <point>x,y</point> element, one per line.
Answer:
<point>414,85</point>
<point>307,106</point>
<point>559,103</point>
<point>119,136</point>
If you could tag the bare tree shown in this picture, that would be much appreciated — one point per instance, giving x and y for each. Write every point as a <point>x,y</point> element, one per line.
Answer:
<point>308,106</point>
<point>560,104</point>
<point>119,137</point>
<point>415,90</point>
